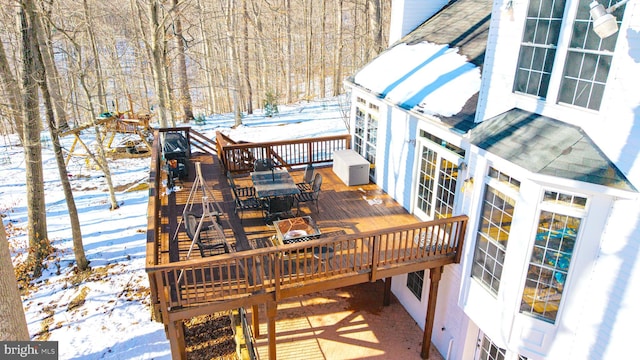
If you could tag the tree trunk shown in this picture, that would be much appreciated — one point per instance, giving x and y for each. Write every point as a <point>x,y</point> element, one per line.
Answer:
<point>375,26</point>
<point>39,246</point>
<point>46,51</point>
<point>206,50</point>
<point>183,80</point>
<point>12,91</point>
<point>102,96</point>
<point>101,159</point>
<point>245,56</point>
<point>13,326</point>
<point>234,76</point>
<point>168,76</point>
<point>289,55</point>
<point>264,72</point>
<point>323,68</point>
<point>308,18</point>
<point>158,69</point>
<point>337,56</point>
<point>208,69</point>
<point>143,63</point>
<point>42,75</point>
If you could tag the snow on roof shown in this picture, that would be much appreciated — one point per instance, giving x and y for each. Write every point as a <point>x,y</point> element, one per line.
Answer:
<point>433,79</point>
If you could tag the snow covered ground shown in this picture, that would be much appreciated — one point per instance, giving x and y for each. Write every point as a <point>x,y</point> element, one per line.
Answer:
<point>105,315</point>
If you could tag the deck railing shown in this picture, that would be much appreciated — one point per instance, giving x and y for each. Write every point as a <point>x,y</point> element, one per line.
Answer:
<point>239,157</point>
<point>294,269</point>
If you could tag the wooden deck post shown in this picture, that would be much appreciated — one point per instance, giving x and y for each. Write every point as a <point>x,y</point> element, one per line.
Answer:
<point>255,319</point>
<point>434,276</point>
<point>176,340</point>
<point>387,292</point>
<point>272,309</point>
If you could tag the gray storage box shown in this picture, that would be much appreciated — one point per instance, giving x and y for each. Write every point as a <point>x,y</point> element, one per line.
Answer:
<point>350,167</point>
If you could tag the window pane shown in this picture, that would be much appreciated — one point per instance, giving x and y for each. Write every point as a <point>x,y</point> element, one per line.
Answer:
<point>583,91</point>
<point>542,28</point>
<point>529,30</point>
<point>492,238</point>
<point>490,351</point>
<point>549,264</point>
<point>596,96</point>
<point>545,9</point>
<point>558,9</point>
<point>588,61</point>
<point>534,8</point>
<point>534,83</point>
<point>542,32</point>
<point>572,67</point>
<point>602,69</point>
<point>415,280</point>
<point>567,90</point>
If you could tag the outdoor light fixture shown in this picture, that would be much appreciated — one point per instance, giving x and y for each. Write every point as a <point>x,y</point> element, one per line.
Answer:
<point>604,24</point>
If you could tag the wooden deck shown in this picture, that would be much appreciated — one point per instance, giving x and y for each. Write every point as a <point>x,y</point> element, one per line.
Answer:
<point>369,235</point>
<point>341,210</point>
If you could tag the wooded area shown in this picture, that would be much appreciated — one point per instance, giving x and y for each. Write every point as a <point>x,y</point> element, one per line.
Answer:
<point>183,58</point>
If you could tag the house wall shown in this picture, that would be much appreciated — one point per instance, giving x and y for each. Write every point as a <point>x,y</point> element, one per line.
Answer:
<point>621,105</point>
<point>396,168</point>
<point>395,153</point>
<point>601,300</point>
<point>599,309</point>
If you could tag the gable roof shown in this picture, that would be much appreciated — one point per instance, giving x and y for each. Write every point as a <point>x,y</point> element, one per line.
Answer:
<point>547,146</point>
<point>435,69</point>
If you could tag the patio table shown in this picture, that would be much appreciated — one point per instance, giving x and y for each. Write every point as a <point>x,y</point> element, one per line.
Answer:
<point>295,229</point>
<point>276,182</point>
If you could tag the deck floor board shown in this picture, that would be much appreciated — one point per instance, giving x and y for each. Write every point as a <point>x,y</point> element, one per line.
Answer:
<point>341,209</point>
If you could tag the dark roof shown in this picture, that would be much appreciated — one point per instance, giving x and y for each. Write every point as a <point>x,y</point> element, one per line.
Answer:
<point>547,146</point>
<point>462,23</point>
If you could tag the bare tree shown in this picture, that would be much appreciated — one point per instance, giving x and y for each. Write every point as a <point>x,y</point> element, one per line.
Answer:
<point>13,326</point>
<point>337,55</point>
<point>42,68</point>
<point>181,72</point>
<point>102,96</point>
<point>12,90</point>
<point>246,76</point>
<point>282,47</point>
<point>156,29</point>
<point>234,76</point>
<point>46,50</point>
<point>37,220</point>
<point>375,28</point>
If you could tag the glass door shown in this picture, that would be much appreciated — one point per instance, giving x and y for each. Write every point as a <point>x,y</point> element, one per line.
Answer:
<point>437,178</point>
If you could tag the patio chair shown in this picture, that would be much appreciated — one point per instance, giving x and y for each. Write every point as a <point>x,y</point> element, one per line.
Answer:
<point>243,191</point>
<point>244,198</point>
<point>263,164</point>
<point>210,241</point>
<point>312,194</point>
<point>307,179</point>
<point>279,207</point>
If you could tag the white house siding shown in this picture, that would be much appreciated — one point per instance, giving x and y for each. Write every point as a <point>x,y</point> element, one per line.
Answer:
<point>395,173</point>
<point>608,323</point>
<point>395,154</point>
<point>599,313</point>
<point>621,104</point>
<point>450,324</point>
